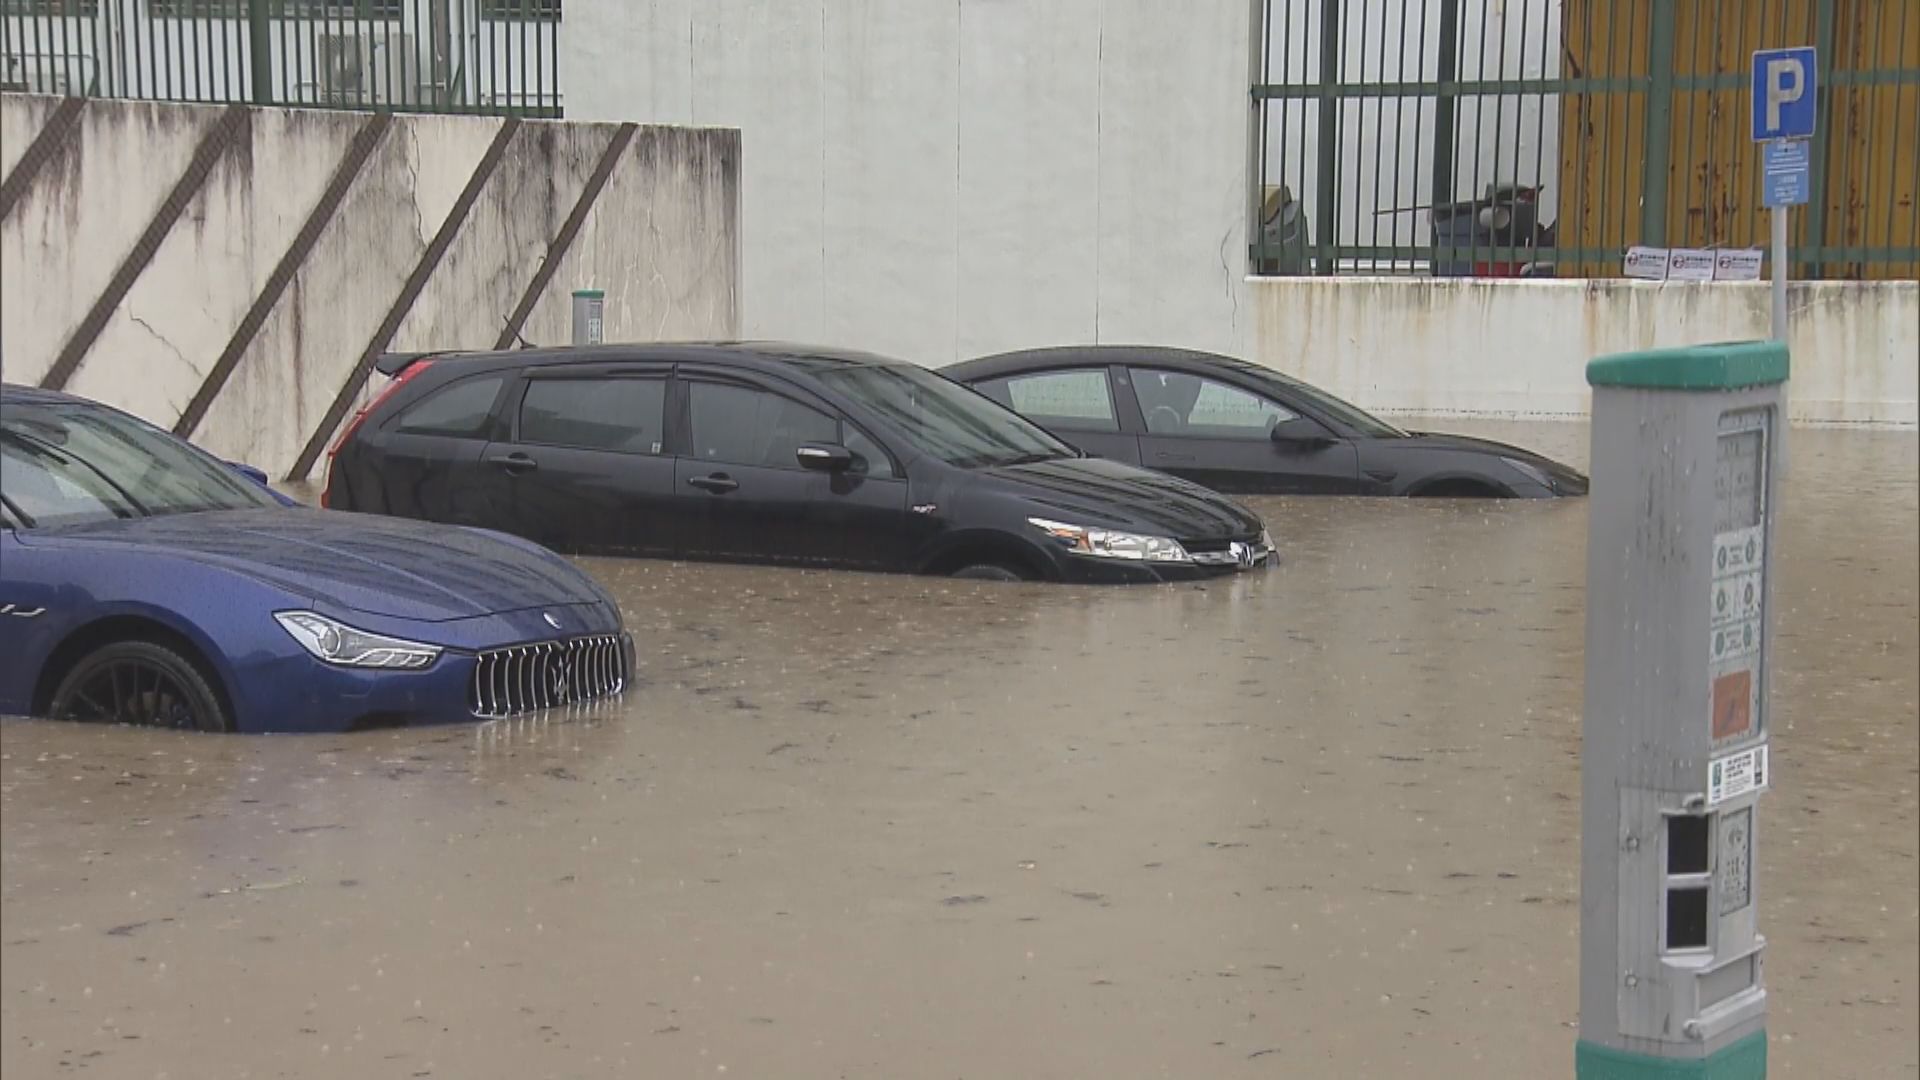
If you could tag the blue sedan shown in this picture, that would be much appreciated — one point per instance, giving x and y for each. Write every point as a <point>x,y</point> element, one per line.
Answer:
<point>143,581</point>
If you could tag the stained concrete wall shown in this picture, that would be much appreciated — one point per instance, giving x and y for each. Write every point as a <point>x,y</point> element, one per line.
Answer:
<point>1482,348</point>
<point>662,239</point>
<point>939,180</point>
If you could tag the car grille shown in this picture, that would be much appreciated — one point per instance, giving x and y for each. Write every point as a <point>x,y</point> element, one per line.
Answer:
<point>548,674</point>
<point>1241,554</point>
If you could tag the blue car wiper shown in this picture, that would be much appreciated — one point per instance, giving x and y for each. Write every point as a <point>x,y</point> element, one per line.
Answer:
<point>46,450</point>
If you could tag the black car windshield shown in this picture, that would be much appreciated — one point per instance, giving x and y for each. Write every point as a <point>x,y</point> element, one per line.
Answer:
<point>1345,412</point>
<point>946,420</point>
<point>71,464</point>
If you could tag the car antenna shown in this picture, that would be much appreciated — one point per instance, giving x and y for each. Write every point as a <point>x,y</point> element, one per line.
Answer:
<point>517,336</point>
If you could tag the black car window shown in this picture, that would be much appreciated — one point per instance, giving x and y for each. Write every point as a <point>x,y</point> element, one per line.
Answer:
<point>595,414</point>
<point>462,409</point>
<point>948,421</point>
<point>1178,403</point>
<point>1077,400</point>
<point>738,425</point>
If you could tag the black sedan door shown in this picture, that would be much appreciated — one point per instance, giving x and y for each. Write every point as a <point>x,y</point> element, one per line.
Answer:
<point>744,494</point>
<point>586,468</point>
<point>1223,436</point>
<point>1077,404</point>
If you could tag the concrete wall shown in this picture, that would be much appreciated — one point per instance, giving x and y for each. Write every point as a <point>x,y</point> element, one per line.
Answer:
<point>661,238</point>
<point>939,180</point>
<point>1483,348</point>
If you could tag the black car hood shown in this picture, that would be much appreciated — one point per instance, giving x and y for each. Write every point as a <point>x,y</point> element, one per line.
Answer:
<point>1564,475</point>
<point>1110,494</point>
<point>378,565</point>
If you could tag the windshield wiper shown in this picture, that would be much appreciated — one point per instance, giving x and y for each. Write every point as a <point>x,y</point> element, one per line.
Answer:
<point>35,446</point>
<point>1033,458</point>
<point>13,510</point>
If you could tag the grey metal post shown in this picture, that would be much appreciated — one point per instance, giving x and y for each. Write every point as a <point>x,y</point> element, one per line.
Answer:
<point>1674,752</point>
<point>1779,215</point>
<point>589,322</point>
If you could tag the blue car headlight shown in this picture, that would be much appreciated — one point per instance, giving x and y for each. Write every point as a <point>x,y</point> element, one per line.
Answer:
<point>337,643</point>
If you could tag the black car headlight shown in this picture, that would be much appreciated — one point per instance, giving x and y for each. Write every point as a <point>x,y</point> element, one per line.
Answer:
<point>1112,543</point>
<point>1532,472</point>
<point>337,643</point>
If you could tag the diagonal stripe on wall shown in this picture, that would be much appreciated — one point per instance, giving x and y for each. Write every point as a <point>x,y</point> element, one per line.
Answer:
<point>227,132</point>
<point>52,134</point>
<point>351,163</point>
<point>557,250</point>
<point>403,303</point>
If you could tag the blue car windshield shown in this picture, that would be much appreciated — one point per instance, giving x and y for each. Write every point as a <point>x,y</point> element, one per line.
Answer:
<point>73,464</point>
<point>947,420</point>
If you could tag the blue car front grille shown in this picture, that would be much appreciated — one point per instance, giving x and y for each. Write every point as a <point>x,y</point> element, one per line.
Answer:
<point>548,674</point>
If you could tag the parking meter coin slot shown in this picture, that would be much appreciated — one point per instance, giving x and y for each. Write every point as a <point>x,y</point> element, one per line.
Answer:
<point>1687,918</point>
<point>1687,845</point>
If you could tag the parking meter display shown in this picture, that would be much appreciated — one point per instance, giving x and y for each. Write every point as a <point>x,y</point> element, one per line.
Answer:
<point>1736,622</point>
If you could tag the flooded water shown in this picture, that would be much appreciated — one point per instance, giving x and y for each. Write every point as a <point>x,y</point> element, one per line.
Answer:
<point>1317,822</point>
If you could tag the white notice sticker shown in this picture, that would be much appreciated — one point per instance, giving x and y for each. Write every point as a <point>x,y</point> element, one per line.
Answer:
<point>1648,263</point>
<point>1690,264</point>
<point>1737,774</point>
<point>1739,264</point>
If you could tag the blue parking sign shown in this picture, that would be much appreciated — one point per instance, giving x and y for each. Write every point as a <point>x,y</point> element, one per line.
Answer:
<point>1786,171</point>
<point>1784,101</point>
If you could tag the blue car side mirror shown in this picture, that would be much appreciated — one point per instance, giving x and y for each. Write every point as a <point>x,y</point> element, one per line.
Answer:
<point>260,477</point>
<point>251,473</point>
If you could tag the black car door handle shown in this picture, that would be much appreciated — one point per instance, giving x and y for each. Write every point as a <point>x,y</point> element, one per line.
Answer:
<point>718,483</point>
<point>516,463</point>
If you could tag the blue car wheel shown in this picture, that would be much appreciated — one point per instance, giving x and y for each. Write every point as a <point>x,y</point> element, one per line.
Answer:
<point>140,683</point>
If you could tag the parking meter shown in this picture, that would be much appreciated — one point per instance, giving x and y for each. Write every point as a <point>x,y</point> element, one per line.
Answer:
<point>589,320</point>
<point>1686,453</point>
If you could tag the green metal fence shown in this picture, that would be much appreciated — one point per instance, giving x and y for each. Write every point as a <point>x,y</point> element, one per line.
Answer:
<point>498,57</point>
<point>1503,137</point>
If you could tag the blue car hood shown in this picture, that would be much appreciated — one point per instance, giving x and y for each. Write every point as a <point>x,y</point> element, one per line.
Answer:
<point>379,565</point>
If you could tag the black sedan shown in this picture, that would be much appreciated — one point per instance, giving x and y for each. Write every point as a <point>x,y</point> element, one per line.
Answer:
<point>1239,427</point>
<point>769,453</point>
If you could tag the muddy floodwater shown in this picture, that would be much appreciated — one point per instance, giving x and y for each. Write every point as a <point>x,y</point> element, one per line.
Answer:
<point>1316,822</point>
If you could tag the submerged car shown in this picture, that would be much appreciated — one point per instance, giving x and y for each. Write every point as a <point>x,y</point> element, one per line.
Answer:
<point>143,581</point>
<point>769,452</point>
<point>1242,428</point>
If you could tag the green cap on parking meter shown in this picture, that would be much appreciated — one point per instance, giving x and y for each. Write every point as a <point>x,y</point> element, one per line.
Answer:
<point>1728,365</point>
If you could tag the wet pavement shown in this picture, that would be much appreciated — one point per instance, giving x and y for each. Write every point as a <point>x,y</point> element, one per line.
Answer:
<point>1317,822</point>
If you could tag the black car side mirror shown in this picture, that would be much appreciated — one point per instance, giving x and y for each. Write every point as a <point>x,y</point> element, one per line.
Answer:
<point>1300,432</point>
<point>824,457</point>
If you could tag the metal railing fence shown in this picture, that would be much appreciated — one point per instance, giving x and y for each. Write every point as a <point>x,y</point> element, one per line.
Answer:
<point>495,57</point>
<point>1505,137</point>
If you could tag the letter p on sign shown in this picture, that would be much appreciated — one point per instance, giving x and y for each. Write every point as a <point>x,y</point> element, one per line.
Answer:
<point>1784,104</point>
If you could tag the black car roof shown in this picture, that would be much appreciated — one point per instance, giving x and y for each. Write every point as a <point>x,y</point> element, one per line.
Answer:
<point>751,355</point>
<point>1064,356</point>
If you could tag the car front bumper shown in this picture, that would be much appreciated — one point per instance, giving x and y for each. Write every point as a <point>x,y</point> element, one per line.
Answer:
<point>297,693</point>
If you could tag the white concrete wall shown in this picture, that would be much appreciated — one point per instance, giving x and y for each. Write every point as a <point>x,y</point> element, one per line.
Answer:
<point>662,240</point>
<point>1484,348</point>
<point>941,179</point>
